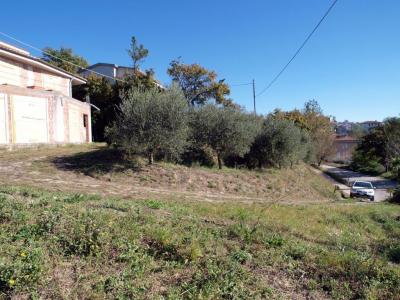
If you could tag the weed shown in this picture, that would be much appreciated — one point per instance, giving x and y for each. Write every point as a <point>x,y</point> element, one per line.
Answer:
<point>153,204</point>
<point>241,256</point>
<point>274,240</point>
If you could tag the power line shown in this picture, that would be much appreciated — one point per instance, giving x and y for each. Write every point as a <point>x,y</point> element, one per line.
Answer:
<point>64,60</point>
<point>78,66</point>
<point>299,49</point>
<point>240,84</point>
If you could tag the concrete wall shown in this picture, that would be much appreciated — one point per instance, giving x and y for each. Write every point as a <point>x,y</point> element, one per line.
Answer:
<point>23,75</point>
<point>30,116</point>
<point>344,150</point>
<point>123,71</point>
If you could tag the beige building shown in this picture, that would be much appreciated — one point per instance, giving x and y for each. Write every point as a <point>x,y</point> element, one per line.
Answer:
<point>36,104</point>
<point>344,147</point>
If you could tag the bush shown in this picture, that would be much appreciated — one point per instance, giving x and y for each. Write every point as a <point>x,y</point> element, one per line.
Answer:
<point>396,196</point>
<point>366,163</point>
<point>280,143</point>
<point>152,122</point>
<point>202,156</point>
<point>227,131</point>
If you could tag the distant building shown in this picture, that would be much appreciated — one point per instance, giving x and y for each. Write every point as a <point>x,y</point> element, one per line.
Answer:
<point>344,148</point>
<point>344,128</point>
<point>36,104</point>
<point>368,125</point>
<point>111,71</point>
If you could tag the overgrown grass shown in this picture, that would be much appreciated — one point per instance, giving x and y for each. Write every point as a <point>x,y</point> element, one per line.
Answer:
<point>61,246</point>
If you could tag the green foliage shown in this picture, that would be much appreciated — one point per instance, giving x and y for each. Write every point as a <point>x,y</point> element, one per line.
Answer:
<point>357,131</point>
<point>84,249</point>
<point>280,143</point>
<point>274,240</point>
<point>316,128</point>
<point>226,131</point>
<point>21,269</point>
<point>320,131</point>
<point>198,84</point>
<point>241,256</point>
<point>81,237</point>
<point>367,162</point>
<point>392,134</point>
<point>152,122</point>
<point>137,52</point>
<point>396,196</point>
<point>379,150</point>
<point>296,251</point>
<point>153,204</point>
<point>106,94</point>
<point>61,57</point>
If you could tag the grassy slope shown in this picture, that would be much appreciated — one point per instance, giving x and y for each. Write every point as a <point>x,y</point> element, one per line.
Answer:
<point>58,245</point>
<point>102,170</point>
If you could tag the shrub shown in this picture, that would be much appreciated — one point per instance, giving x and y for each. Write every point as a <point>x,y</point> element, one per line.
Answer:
<point>280,143</point>
<point>396,196</point>
<point>152,122</point>
<point>227,131</point>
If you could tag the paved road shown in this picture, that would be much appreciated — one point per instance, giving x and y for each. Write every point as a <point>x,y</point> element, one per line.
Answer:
<point>380,183</point>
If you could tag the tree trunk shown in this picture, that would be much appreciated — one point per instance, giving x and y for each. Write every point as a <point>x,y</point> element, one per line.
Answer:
<point>219,161</point>
<point>151,157</point>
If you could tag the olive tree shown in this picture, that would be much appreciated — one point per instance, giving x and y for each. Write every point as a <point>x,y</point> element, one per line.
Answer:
<point>280,143</point>
<point>152,121</point>
<point>227,131</point>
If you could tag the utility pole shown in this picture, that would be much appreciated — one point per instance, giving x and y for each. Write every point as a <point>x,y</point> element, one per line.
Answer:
<point>254,98</point>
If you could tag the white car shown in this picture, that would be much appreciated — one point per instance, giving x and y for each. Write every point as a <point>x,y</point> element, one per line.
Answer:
<point>363,189</point>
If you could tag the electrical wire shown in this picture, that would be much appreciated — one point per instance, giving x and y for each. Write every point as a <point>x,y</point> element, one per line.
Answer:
<point>299,49</point>
<point>78,66</point>
<point>241,84</point>
<point>64,60</point>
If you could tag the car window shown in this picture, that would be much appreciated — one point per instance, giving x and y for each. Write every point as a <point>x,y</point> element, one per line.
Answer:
<point>363,185</point>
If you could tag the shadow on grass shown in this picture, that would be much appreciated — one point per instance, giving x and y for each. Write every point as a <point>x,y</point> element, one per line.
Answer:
<point>96,162</point>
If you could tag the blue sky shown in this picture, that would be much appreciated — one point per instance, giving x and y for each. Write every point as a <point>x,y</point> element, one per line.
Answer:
<point>351,65</point>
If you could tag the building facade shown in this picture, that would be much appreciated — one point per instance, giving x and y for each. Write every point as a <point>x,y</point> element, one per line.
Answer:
<point>112,72</point>
<point>36,104</point>
<point>344,147</point>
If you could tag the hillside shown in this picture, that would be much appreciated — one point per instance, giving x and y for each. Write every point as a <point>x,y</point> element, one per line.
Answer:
<point>80,222</point>
<point>56,245</point>
<point>98,170</point>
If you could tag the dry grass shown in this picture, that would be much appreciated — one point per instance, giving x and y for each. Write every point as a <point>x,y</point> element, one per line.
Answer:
<point>96,168</point>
